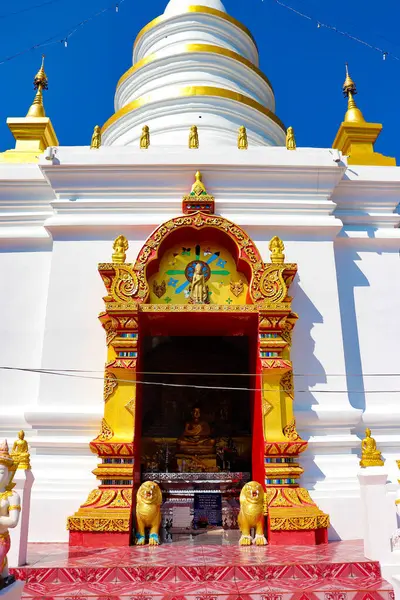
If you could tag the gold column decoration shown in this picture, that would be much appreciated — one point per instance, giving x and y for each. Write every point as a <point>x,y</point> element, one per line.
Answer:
<point>243,143</point>
<point>370,455</point>
<point>290,139</point>
<point>109,508</point>
<point>290,507</point>
<point>356,137</point>
<point>33,133</point>
<point>145,137</point>
<point>20,452</point>
<point>193,138</point>
<point>96,138</point>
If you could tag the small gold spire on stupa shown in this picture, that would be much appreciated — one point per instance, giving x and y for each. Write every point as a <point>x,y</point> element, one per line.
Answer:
<point>40,83</point>
<point>353,113</point>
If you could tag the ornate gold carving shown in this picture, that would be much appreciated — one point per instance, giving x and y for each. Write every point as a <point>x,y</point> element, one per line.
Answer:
<point>276,247</point>
<point>110,383</point>
<point>96,138</point>
<point>371,456</point>
<point>111,524</point>
<point>272,285</point>
<point>159,289</point>
<point>193,137</point>
<point>295,523</point>
<point>120,247</point>
<point>242,138</point>
<point>290,431</point>
<point>251,515</point>
<point>93,497</point>
<point>237,287</point>
<point>106,432</point>
<point>287,384</point>
<point>14,507</point>
<point>131,406</point>
<point>145,137</point>
<point>290,139</point>
<point>125,283</point>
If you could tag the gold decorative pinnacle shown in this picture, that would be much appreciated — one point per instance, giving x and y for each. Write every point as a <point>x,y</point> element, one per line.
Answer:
<point>120,247</point>
<point>276,247</point>
<point>198,188</point>
<point>40,83</point>
<point>353,113</point>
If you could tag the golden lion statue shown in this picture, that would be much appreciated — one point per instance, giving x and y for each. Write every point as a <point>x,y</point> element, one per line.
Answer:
<point>148,514</point>
<point>251,514</point>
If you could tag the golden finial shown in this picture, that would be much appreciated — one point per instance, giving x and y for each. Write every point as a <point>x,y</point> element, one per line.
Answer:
<point>96,138</point>
<point>276,247</point>
<point>40,83</point>
<point>145,137</point>
<point>243,144</point>
<point>353,113</point>
<point>20,452</point>
<point>198,188</point>
<point>370,455</point>
<point>193,137</point>
<point>120,247</point>
<point>290,139</point>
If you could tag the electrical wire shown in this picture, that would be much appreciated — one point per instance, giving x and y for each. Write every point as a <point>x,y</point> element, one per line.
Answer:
<point>184,385</point>
<point>27,9</point>
<point>56,39</point>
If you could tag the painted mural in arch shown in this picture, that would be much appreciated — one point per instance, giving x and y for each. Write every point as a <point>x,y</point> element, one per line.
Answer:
<point>171,284</point>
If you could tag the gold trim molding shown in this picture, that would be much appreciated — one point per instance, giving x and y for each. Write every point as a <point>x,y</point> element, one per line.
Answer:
<point>196,48</point>
<point>196,9</point>
<point>194,90</point>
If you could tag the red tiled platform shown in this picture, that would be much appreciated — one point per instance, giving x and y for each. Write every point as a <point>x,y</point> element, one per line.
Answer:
<point>220,570</point>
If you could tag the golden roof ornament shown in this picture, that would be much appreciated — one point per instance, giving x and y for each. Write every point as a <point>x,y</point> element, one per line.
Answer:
<point>145,137</point>
<point>96,138</point>
<point>120,247</point>
<point>353,113</point>
<point>276,247</point>
<point>290,139</point>
<point>243,143</point>
<point>370,455</point>
<point>40,83</point>
<point>198,199</point>
<point>193,138</point>
<point>20,452</point>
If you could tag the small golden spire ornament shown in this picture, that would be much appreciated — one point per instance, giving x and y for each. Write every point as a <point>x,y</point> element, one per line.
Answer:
<point>276,247</point>
<point>20,452</point>
<point>145,137</point>
<point>353,113</point>
<point>120,247</point>
<point>290,139</point>
<point>40,83</point>
<point>96,138</point>
<point>243,144</point>
<point>198,187</point>
<point>370,455</point>
<point>193,138</point>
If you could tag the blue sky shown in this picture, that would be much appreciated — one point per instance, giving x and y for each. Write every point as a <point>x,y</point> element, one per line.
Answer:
<point>304,63</point>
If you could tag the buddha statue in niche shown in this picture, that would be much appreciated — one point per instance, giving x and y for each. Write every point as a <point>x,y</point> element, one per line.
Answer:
<point>196,439</point>
<point>371,456</point>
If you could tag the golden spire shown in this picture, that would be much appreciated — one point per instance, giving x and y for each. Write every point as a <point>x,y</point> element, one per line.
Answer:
<point>353,113</point>
<point>39,83</point>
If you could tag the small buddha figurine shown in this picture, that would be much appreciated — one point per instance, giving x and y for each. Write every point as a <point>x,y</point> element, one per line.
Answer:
<point>10,509</point>
<point>276,247</point>
<point>196,438</point>
<point>198,287</point>
<point>120,247</point>
<point>290,139</point>
<point>96,138</point>
<point>193,137</point>
<point>370,455</point>
<point>145,137</point>
<point>20,452</point>
<point>242,138</point>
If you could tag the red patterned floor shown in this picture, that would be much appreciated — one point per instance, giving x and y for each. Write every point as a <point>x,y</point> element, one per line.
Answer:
<point>203,571</point>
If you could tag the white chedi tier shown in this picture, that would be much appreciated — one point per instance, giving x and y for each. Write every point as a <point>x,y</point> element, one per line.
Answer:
<point>194,65</point>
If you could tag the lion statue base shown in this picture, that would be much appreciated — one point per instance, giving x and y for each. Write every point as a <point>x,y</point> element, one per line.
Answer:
<point>251,515</point>
<point>148,513</point>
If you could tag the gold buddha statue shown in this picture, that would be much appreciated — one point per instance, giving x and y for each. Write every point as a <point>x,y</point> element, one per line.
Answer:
<point>193,137</point>
<point>370,456</point>
<point>243,143</point>
<point>145,137</point>
<point>96,138</point>
<point>290,139</point>
<point>198,287</point>
<point>20,452</point>
<point>196,439</point>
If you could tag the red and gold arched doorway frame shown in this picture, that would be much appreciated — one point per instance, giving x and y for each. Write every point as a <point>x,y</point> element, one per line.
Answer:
<point>264,312</point>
